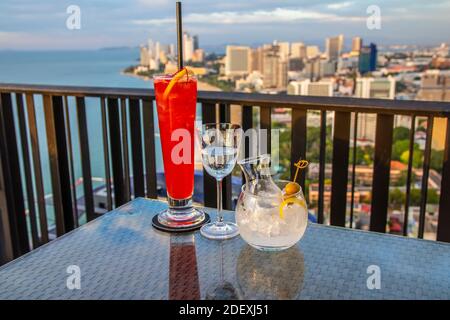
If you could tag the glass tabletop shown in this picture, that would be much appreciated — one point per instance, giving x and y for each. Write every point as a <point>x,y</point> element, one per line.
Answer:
<point>121,256</point>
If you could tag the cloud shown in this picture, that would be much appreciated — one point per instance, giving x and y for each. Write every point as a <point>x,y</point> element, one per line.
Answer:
<point>339,5</point>
<point>63,40</point>
<point>278,15</point>
<point>153,3</point>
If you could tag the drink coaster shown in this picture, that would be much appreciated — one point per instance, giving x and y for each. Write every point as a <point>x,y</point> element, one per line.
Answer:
<point>157,225</point>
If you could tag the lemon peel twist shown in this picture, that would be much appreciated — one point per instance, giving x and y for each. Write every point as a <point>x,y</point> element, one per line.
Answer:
<point>180,74</point>
<point>292,188</point>
<point>288,201</point>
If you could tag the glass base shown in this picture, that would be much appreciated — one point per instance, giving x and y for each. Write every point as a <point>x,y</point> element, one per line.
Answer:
<point>270,249</point>
<point>219,230</point>
<point>223,291</point>
<point>181,214</point>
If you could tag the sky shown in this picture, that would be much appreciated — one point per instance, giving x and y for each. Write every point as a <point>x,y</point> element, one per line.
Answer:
<point>41,25</point>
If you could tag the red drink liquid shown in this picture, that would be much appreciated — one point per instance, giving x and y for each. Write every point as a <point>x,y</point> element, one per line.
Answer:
<point>177,112</point>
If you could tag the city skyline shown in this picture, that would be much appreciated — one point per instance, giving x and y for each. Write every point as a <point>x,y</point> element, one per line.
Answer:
<point>27,25</point>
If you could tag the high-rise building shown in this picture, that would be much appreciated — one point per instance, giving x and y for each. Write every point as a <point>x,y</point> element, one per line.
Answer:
<point>312,51</point>
<point>237,61</point>
<point>312,69</point>
<point>275,68</point>
<point>285,49</point>
<point>296,64</point>
<point>150,45</point>
<point>334,47</point>
<point>257,57</point>
<point>308,88</point>
<point>188,47</point>
<point>150,55</point>
<point>443,50</point>
<point>356,44</point>
<point>378,88</point>
<point>156,52</point>
<point>348,61</point>
<point>435,86</point>
<point>327,68</point>
<point>368,58</point>
<point>172,50</point>
<point>271,60</point>
<point>196,44</point>
<point>144,57</point>
<point>199,55</point>
<point>282,74</point>
<point>298,50</point>
<point>163,57</point>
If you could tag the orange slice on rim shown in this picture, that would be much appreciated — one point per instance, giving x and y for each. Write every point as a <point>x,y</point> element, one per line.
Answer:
<point>180,74</point>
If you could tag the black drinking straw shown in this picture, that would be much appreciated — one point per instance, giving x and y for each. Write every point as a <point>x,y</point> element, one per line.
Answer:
<point>179,35</point>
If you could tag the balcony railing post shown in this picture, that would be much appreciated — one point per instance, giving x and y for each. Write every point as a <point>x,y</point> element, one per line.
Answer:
<point>298,142</point>
<point>126,161</point>
<point>381,172</point>
<point>322,165</point>
<point>59,163</point>
<point>6,244</point>
<point>38,178</point>
<point>27,170</point>
<point>443,230</point>
<point>106,154</point>
<point>136,147</point>
<point>425,175</point>
<point>116,152</point>
<point>85,158</point>
<point>341,145</point>
<point>13,224</point>
<point>149,148</point>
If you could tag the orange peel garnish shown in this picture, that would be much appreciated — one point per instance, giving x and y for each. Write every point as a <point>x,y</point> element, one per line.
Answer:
<point>288,201</point>
<point>180,74</point>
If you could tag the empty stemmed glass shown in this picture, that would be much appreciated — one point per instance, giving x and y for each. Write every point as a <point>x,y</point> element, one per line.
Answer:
<point>219,144</point>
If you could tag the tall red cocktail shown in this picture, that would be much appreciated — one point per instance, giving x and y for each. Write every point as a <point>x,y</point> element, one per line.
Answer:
<point>176,101</point>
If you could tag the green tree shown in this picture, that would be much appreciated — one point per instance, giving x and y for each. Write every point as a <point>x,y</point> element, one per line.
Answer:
<point>414,197</point>
<point>400,133</point>
<point>432,196</point>
<point>399,147</point>
<point>417,158</point>
<point>396,198</point>
<point>437,158</point>
<point>313,144</point>
<point>364,155</point>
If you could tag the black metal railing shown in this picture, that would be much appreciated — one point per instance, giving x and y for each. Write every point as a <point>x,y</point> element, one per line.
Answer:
<point>127,115</point>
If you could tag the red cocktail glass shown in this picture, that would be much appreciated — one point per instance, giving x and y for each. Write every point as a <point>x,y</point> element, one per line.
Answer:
<point>176,115</point>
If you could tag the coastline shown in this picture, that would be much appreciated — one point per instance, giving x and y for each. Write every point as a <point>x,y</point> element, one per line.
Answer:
<point>202,86</point>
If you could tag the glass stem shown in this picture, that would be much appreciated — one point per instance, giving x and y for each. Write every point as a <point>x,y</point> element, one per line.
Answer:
<point>219,201</point>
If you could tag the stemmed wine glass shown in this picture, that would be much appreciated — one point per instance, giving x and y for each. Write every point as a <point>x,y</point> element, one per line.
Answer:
<point>219,144</point>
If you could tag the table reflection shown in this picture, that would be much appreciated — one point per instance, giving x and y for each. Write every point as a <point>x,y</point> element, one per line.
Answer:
<point>270,275</point>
